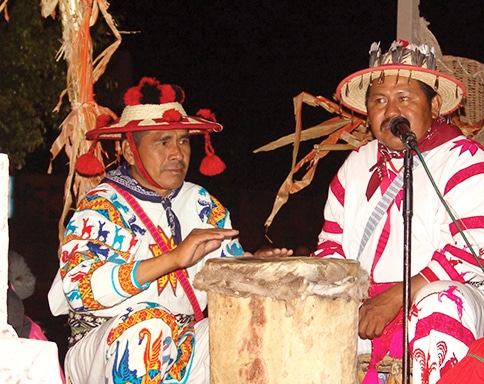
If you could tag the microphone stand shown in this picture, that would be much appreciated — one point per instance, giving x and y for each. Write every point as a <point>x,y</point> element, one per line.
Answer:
<point>409,143</point>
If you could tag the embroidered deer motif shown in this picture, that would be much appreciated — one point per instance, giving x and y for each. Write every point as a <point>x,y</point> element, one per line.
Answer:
<point>86,229</point>
<point>71,228</point>
<point>118,205</point>
<point>97,249</point>
<point>450,294</point>
<point>132,243</point>
<point>135,227</point>
<point>118,239</point>
<point>102,234</point>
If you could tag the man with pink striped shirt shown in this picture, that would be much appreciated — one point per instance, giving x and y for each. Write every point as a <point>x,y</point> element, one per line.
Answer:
<point>363,214</point>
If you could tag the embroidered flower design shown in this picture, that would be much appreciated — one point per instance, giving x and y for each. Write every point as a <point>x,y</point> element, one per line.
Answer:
<point>467,145</point>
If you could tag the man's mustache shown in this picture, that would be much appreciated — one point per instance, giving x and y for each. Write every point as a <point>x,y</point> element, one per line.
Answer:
<point>385,124</point>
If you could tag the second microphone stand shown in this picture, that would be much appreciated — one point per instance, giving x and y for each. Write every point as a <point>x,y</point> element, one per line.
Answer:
<point>409,143</point>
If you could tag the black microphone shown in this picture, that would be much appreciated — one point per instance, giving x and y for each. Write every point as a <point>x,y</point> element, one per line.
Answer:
<point>400,127</point>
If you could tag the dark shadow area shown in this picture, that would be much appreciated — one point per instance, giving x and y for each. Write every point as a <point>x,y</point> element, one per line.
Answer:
<point>34,235</point>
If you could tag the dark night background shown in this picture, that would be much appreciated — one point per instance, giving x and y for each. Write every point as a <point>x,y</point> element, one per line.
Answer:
<point>245,60</point>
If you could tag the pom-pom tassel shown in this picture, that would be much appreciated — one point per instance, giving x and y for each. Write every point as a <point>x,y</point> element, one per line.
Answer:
<point>88,164</point>
<point>211,164</point>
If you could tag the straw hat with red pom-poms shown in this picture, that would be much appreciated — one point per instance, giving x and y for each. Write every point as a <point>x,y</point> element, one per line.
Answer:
<point>154,106</point>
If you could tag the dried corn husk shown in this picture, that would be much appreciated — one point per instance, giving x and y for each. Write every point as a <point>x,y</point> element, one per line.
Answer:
<point>3,6</point>
<point>344,127</point>
<point>82,72</point>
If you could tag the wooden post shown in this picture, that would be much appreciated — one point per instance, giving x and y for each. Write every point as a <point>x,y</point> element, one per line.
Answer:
<point>407,19</point>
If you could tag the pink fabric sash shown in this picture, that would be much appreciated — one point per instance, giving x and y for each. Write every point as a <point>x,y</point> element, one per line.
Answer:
<point>391,340</point>
<point>163,246</point>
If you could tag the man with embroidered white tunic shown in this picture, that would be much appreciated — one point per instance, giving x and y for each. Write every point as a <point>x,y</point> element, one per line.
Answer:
<point>447,303</point>
<point>133,247</point>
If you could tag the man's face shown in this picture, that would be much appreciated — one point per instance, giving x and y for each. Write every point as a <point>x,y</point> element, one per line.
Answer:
<point>396,97</point>
<point>165,156</point>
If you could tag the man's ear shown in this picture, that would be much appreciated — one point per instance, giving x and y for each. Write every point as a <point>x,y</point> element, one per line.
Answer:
<point>436,103</point>
<point>127,152</point>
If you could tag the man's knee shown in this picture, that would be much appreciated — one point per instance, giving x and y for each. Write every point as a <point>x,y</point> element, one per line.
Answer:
<point>436,289</point>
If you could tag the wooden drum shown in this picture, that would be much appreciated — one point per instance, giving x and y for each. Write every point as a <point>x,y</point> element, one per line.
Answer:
<point>283,320</point>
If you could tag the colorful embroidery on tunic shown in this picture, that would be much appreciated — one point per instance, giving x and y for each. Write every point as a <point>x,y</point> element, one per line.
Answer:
<point>233,249</point>
<point>185,350</point>
<point>425,364</point>
<point>151,356</point>
<point>74,259</point>
<point>85,290</point>
<point>124,278</point>
<point>103,207</point>
<point>170,278</point>
<point>217,214</point>
<point>121,372</point>
<point>157,252</point>
<point>143,315</point>
<point>154,358</point>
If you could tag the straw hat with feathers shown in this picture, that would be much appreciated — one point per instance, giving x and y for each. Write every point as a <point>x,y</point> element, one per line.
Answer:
<point>402,59</point>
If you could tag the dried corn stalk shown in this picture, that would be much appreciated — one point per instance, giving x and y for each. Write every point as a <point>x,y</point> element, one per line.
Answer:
<point>3,7</point>
<point>343,127</point>
<point>77,17</point>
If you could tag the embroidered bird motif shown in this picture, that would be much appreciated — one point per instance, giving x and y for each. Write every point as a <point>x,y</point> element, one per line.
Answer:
<point>151,357</point>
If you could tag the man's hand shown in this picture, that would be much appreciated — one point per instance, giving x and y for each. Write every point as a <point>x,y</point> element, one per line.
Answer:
<point>376,313</point>
<point>194,247</point>
<point>199,243</point>
<point>270,252</point>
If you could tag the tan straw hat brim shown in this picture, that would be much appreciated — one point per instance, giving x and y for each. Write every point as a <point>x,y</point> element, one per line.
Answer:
<point>352,90</point>
<point>148,117</point>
